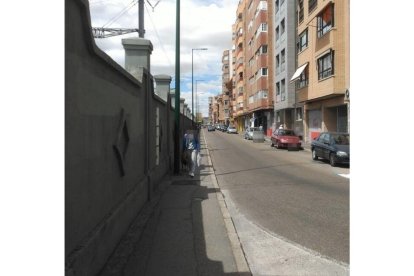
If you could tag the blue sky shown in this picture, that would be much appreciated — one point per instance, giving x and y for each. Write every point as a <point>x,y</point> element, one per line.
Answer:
<point>204,24</point>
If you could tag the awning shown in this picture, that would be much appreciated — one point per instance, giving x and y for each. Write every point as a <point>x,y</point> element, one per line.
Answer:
<point>298,72</point>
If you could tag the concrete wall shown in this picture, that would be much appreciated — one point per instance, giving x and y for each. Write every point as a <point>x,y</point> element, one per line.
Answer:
<point>118,145</point>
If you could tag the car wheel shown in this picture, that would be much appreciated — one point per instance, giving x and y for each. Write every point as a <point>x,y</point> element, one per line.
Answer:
<point>277,145</point>
<point>272,145</point>
<point>332,160</point>
<point>314,156</point>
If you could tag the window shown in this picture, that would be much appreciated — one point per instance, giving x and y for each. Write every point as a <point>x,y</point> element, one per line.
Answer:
<point>278,116</point>
<point>263,71</point>
<point>264,27</point>
<point>262,94</point>
<point>282,90</point>
<point>282,60</point>
<point>278,88</point>
<point>326,65</point>
<point>282,26</point>
<point>302,81</point>
<point>277,33</point>
<point>249,27</point>
<point>299,114</point>
<point>312,4</point>
<point>277,63</point>
<point>325,20</point>
<point>262,5</point>
<point>277,5</point>
<point>303,41</point>
<point>263,49</point>
<point>300,11</point>
<point>251,99</point>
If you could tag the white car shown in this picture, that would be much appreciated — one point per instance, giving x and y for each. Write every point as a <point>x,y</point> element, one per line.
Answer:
<point>231,129</point>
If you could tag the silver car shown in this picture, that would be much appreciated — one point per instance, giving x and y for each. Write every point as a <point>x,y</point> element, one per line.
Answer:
<point>248,134</point>
<point>231,129</point>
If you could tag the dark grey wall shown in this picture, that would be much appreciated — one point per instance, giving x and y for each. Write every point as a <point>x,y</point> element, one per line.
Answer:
<point>111,145</point>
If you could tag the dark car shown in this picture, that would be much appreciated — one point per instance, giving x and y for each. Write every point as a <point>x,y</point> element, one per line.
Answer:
<point>211,128</point>
<point>332,146</point>
<point>285,138</point>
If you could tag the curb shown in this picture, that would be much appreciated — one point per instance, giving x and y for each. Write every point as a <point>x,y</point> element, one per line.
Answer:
<point>238,252</point>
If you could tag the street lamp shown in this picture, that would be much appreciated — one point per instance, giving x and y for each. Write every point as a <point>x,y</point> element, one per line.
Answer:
<point>197,101</point>
<point>192,79</point>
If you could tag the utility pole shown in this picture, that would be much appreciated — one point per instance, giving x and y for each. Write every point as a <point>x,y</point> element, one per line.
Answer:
<point>177,92</point>
<point>141,30</point>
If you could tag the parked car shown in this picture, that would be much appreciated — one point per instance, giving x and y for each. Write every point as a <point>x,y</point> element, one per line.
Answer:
<point>332,146</point>
<point>211,128</point>
<point>285,138</point>
<point>223,128</point>
<point>248,133</point>
<point>231,129</point>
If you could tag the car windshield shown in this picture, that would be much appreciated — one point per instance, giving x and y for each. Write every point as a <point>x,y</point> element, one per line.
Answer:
<point>287,132</point>
<point>341,139</point>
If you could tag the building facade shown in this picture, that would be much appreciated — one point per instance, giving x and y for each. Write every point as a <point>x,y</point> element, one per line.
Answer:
<point>323,65</point>
<point>238,40</point>
<point>253,65</point>
<point>226,88</point>
<point>286,107</point>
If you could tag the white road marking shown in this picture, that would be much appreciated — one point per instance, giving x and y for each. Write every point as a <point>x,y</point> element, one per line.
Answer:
<point>344,175</point>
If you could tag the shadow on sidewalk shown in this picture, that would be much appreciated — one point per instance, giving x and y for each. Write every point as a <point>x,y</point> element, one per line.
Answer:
<point>172,239</point>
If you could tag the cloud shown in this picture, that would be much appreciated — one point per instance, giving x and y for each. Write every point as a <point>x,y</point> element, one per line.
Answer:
<point>204,23</point>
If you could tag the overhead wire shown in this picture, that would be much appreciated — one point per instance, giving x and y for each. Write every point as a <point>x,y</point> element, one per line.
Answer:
<point>124,10</point>
<point>91,3</point>
<point>158,37</point>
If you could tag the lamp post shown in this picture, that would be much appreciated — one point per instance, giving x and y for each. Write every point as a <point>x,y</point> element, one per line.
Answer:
<point>192,79</point>
<point>197,101</point>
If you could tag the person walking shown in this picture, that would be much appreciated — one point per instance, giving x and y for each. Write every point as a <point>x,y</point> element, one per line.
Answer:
<point>191,147</point>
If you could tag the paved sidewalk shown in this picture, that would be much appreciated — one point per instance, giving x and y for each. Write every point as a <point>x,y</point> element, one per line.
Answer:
<point>185,230</point>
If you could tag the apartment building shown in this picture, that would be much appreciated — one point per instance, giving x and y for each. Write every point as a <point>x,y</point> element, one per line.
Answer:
<point>286,108</point>
<point>218,114</point>
<point>238,41</point>
<point>259,65</point>
<point>227,86</point>
<point>210,109</point>
<point>322,75</point>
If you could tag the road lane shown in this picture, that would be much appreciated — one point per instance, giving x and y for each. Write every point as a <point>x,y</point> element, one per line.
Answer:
<point>285,192</point>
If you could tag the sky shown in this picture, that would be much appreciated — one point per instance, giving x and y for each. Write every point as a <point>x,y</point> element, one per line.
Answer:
<point>204,24</point>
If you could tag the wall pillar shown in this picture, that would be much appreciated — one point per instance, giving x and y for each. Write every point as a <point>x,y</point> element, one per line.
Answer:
<point>163,86</point>
<point>137,55</point>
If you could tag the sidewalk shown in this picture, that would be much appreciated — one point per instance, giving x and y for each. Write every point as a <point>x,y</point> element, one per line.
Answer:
<point>185,230</point>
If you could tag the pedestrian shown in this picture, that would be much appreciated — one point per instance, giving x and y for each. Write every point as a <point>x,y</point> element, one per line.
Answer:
<point>191,148</point>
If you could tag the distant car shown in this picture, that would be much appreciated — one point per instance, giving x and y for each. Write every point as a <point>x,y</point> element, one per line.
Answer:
<point>211,128</point>
<point>248,133</point>
<point>231,129</point>
<point>223,128</point>
<point>285,138</point>
<point>333,146</point>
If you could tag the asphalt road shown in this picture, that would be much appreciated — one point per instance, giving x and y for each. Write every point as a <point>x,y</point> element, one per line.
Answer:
<point>285,192</point>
